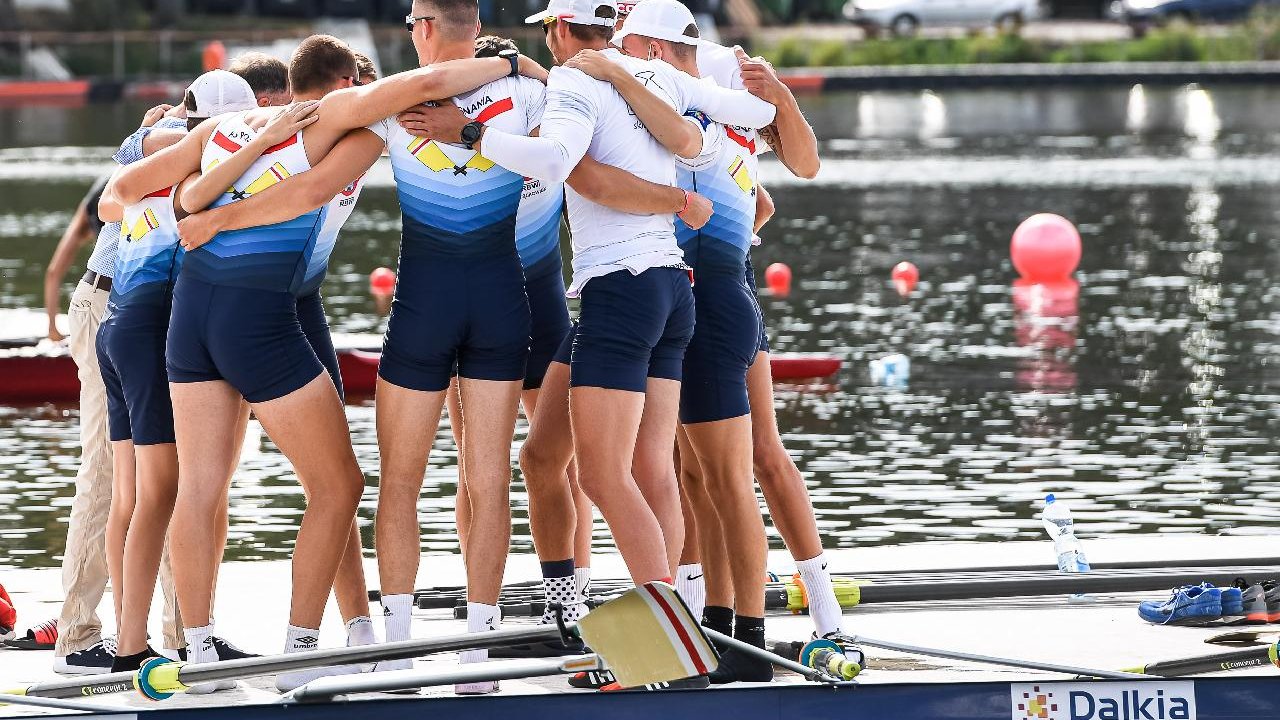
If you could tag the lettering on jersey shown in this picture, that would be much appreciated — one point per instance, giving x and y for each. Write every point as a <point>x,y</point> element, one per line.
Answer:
<point>430,155</point>
<point>349,192</point>
<point>700,117</point>
<point>739,136</point>
<point>475,106</point>
<point>146,223</point>
<point>532,187</point>
<point>738,171</point>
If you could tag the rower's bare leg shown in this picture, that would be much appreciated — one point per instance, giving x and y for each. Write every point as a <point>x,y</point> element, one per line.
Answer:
<point>490,427</point>
<point>462,500</point>
<point>208,422</point>
<point>221,522</point>
<point>123,498</point>
<point>156,483</point>
<point>310,427</point>
<point>705,577</point>
<point>605,426</point>
<point>584,517</point>
<point>788,499</point>
<point>653,466</point>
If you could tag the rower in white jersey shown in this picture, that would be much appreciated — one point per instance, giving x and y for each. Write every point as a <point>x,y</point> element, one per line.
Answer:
<point>637,307</point>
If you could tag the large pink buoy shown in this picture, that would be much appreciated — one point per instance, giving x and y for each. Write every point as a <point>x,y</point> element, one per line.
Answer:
<point>1045,247</point>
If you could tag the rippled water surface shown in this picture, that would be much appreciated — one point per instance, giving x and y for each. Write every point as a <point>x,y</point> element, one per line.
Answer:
<point>1149,395</point>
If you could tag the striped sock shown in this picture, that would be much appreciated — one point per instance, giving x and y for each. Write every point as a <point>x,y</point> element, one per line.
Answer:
<point>691,587</point>
<point>823,606</point>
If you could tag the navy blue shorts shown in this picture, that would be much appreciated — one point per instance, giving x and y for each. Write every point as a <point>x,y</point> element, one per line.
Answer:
<point>564,353</point>
<point>447,310</point>
<point>723,347</point>
<point>130,346</point>
<point>549,316</point>
<point>316,327</point>
<point>248,337</point>
<point>755,298</point>
<point>631,328</point>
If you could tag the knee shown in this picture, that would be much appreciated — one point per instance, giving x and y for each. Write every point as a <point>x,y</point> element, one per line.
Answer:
<point>538,465</point>
<point>772,465</point>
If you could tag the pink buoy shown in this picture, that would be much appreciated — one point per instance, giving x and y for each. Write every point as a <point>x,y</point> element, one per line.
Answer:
<point>778,277</point>
<point>1045,247</point>
<point>382,281</point>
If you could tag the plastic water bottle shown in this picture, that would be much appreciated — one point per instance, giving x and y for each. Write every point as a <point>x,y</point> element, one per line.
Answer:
<point>1061,529</point>
<point>891,370</point>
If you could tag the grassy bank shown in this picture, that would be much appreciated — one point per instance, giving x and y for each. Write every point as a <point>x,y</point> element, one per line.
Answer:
<point>1258,39</point>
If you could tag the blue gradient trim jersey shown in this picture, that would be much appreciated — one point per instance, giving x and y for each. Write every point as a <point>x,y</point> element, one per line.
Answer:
<point>725,173</point>
<point>148,256</point>
<point>336,214</point>
<point>456,202</point>
<point>538,227</point>
<point>270,257</point>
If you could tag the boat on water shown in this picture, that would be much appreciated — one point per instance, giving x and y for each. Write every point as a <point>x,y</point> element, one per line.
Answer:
<point>35,374</point>
<point>952,659</point>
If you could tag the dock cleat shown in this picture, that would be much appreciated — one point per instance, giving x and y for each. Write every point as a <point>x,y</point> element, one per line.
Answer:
<point>1190,605</point>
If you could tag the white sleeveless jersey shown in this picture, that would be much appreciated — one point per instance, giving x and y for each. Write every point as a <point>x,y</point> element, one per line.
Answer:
<point>336,214</point>
<point>272,257</point>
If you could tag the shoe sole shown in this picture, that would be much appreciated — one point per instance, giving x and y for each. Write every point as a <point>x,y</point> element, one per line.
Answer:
<point>74,671</point>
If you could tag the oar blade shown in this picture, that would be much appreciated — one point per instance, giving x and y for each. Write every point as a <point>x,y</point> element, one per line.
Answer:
<point>647,635</point>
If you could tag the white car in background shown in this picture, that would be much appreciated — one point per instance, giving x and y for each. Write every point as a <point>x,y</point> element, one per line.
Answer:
<point>904,18</point>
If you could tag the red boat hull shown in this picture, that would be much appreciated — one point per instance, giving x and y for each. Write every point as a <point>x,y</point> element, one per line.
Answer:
<point>28,378</point>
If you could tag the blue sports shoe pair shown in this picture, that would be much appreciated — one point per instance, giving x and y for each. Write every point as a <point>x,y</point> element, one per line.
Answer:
<point>1193,605</point>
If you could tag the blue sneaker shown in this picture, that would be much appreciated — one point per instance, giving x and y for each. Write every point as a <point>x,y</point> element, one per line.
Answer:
<point>1191,605</point>
<point>1233,600</point>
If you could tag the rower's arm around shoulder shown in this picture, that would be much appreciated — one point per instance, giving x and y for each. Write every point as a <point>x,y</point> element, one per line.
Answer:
<point>790,135</point>
<point>164,169</point>
<point>660,119</point>
<point>215,180</point>
<point>296,195</point>
<point>364,105</point>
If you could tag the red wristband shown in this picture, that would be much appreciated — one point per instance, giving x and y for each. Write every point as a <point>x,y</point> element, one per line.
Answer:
<point>686,205</point>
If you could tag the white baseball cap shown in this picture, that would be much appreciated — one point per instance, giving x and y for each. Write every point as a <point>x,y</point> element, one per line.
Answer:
<point>217,92</point>
<point>579,12</point>
<point>660,20</point>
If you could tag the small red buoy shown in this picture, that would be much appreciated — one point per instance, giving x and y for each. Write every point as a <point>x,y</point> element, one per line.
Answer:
<point>778,277</point>
<point>382,281</point>
<point>214,56</point>
<point>1045,248</point>
<point>905,276</point>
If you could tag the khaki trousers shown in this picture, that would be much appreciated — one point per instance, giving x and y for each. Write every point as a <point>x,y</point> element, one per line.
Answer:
<point>84,565</point>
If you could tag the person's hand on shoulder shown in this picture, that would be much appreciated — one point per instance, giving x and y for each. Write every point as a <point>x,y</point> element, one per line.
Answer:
<point>760,78</point>
<point>152,116</point>
<point>286,123</point>
<point>439,121</point>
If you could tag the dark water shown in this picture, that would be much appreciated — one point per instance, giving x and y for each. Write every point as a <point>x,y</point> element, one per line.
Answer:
<point>1148,397</point>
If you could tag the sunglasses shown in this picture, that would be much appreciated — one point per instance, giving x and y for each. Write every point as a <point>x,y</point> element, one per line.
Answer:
<point>410,21</point>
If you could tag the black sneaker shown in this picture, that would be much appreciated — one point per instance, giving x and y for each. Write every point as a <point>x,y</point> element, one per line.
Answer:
<point>694,682</point>
<point>738,666</point>
<point>227,651</point>
<point>93,660</point>
<point>591,679</point>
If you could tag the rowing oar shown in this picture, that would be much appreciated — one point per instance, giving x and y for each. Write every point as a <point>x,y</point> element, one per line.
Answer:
<point>327,688</point>
<point>40,702</point>
<point>646,636</point>
<point>996,660</point>
<point>1253,657</point>
<point>817,674</point>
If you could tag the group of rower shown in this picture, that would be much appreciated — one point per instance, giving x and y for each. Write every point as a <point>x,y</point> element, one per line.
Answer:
<point>655,406</point>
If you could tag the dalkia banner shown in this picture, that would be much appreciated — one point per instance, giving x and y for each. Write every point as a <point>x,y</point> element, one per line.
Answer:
<point>1154,700</point>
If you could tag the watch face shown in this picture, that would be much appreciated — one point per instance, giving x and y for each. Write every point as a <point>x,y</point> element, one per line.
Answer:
<point>471,132</point>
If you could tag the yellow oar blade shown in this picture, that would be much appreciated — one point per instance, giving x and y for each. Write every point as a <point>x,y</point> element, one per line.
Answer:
<point>647,635</point>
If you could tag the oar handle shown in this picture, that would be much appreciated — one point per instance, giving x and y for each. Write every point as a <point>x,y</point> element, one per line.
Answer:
<point>1239,659</point>
<point>828,657</point>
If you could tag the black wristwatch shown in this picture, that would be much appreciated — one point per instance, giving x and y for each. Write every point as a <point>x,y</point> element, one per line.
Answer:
<point>513,57</point>
<point>471,133</point>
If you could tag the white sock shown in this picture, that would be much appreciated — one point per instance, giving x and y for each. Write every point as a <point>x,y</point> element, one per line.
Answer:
<point>200,650</point>
<point>823,606</point>
<point>563,590</point>
<point>397,613</point>
<point>480,618</point>
<point>582,578</point>
<point>692,588</point>
<point>360,631</point>
<point>299,639</point>
<point>200,644</point>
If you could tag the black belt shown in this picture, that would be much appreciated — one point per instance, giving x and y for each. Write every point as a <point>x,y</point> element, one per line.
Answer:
<point>96,281</point>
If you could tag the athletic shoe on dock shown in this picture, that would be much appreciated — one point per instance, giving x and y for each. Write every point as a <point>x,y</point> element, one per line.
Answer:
<point>591,680</point>
<point>1233,600</point>
<point>41,637</point>
<point>93,660</point>
<point>1191,605</point>
<point>1261,603</point>
<point>695,682</point>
